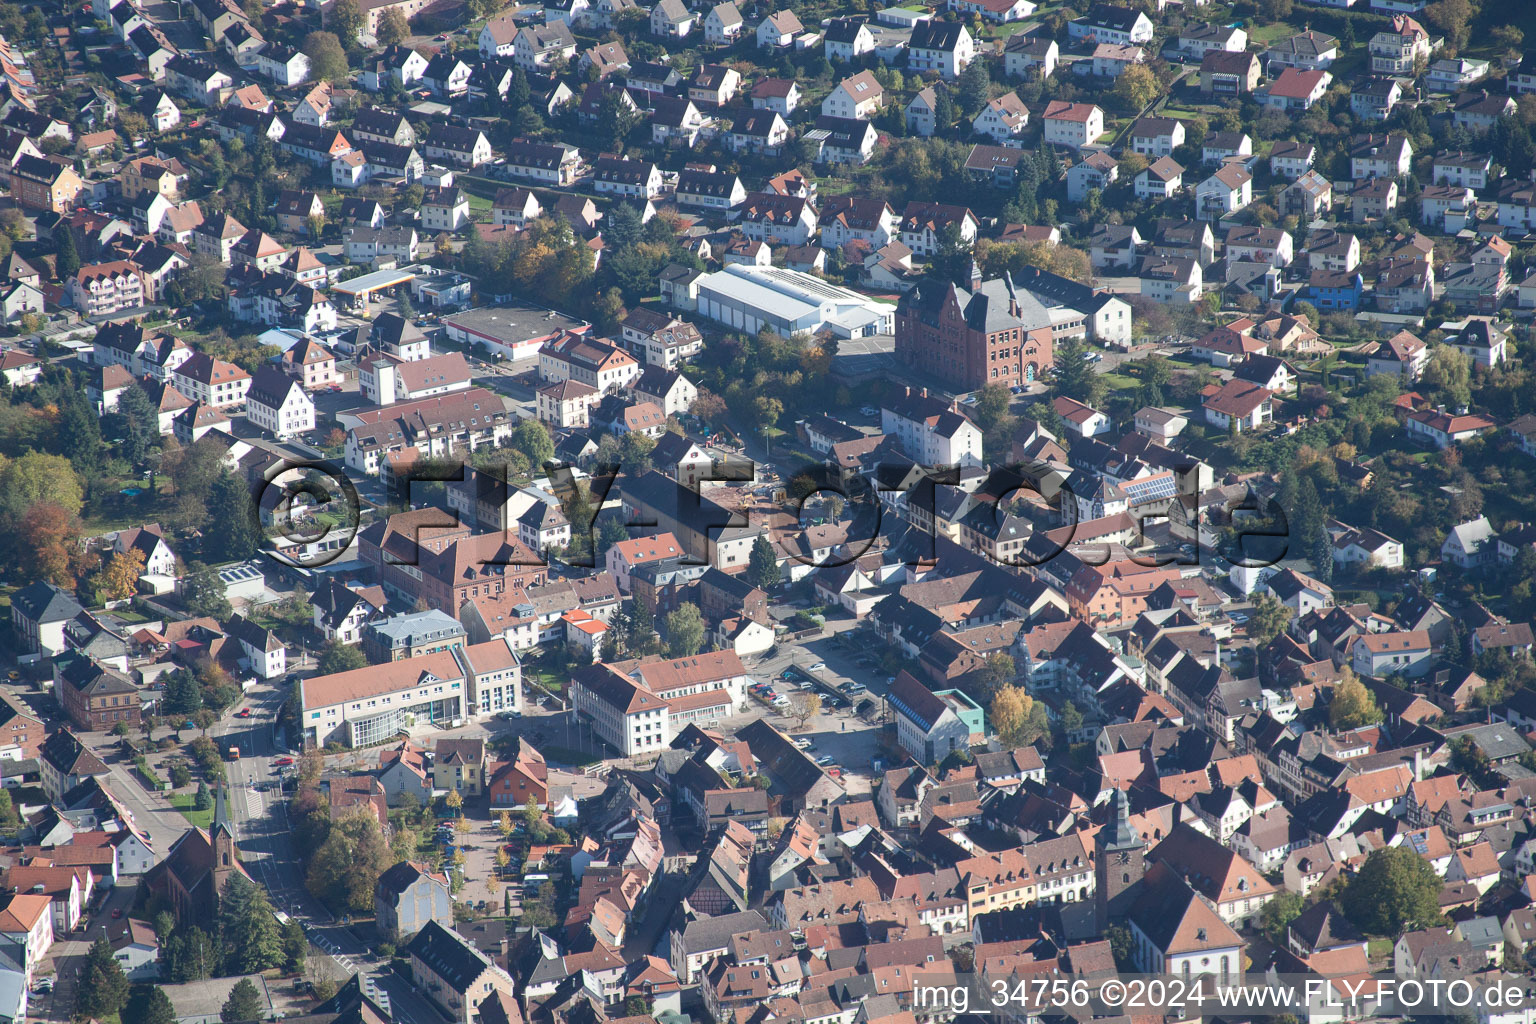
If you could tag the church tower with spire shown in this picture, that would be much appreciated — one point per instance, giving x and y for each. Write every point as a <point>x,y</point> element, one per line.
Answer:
<point>1121,862</point>
<point>221,836</point>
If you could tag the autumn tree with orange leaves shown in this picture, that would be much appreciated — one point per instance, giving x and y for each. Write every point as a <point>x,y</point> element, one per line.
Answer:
<point>118,579</point>
<point>50,545</point>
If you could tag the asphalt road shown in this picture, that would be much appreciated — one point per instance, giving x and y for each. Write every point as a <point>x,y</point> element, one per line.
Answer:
<point>260,817</point>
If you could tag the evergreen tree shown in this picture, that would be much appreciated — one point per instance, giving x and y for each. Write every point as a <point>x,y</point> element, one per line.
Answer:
<point>952,261</point>
<point>148,1004</point>
<point>250,937</point>
<point>193,956</point>
<point>203,594</point>
<point>103,987</point>
<point>1075,375</point>
<point>66,259</point>
<point>137,425</point>
<point>231,507</point>
<point>295,946</point>
<point>973,86</point>
<point>182,694</point>
<point>243,1004</point>
<point>79,433</point>
<point>945,113</point>
<point>762,566</point>
<point>518,93</point>
<point>580,513</point>
<point>642,628</point>
<point>621,226</point>
<point>1307,521</point>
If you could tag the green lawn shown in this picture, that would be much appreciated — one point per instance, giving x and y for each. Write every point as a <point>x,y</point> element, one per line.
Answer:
<point>110,510</point>
<point>1007,29</point>
<point>565,755</point>
<point>183,802</point>
<point>1267,34</point>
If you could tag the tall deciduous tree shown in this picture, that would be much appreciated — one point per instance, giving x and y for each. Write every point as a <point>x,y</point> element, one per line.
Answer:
<point>997,671</point>
<point>339,657</point>
<point>685,630</point>
<point>1352,705</point>
<point>1267,619</point>
<point>119,577</point>
<point>346,17</point>
<point>50,544</point>
<point>805,706</point>
<point>327,60</point>
<point>531,437</point>
<point>1136,87</point>
<point>1396,889</point>
<point>1448,374</point>
<point>35,478</point>
<point>953,259</point>
<point>393,28</point>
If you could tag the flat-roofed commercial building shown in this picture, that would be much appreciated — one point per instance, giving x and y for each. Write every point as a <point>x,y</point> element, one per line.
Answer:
<point>789,302</point>
<point>368,705</point>
<point>513,331</point>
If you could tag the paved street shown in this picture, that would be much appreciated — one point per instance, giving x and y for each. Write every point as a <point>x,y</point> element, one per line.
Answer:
<point>262,828</point>
<point>159,822</point>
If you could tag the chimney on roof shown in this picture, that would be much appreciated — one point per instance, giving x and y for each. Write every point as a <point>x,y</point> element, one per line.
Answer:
<point>921,394</point>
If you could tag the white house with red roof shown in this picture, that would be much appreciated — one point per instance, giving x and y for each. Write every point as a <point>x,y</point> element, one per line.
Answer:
<point>1083,420</point>
<point>1443,429</point>
<point>19,368</point>
<point>1404,653</point>
<point>1072,124</point>
<point>1247,405</point>
<point>1000,11</point>
<point>1296,89</point>
<point>1403,356</point>
<point>212,381</point>
<point>626,555</point>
